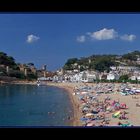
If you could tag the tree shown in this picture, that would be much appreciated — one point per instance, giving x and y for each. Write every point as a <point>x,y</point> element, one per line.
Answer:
<point>102,64</point>
<point>82,68</point>
<point>67,67</point>
<point>3,54</point>
<point>71,61</point>
<point>131,56</point>
<point>30,64</point>
<point>6,60</point>
<point>124,78</point>
<point>69,64</point>
<point>31,76</point>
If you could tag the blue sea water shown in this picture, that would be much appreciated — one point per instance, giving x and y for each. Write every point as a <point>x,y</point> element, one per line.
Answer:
<point>32,105</point>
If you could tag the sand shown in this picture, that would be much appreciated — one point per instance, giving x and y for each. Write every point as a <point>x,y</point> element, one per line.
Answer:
<point>130,100</point>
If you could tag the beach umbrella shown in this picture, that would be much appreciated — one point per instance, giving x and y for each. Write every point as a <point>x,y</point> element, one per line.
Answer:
<point>80,97</point>
<point>89,114</point>
<point>108,108</point>
<point>83,104</point>
<point>137,91</point>
<point>83,119</point>
<point>95,111</point>
<point>85,109</point>
<point>74,93</point>
<point>91,123</point>
<point>101,113</point>
<point>84,92</point>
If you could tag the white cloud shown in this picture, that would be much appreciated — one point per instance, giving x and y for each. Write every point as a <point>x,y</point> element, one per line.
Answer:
<point>128,37</point>
<point>81,38</point>
<point>32,38</point>
<point>104,34</point>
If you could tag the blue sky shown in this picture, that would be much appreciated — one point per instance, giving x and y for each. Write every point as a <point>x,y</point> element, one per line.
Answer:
<point>53,38</point>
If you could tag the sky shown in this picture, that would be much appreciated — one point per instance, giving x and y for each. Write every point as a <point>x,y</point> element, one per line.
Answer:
<point>51,39</point>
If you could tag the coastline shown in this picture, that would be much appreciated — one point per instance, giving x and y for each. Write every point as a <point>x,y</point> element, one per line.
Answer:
<point>66,86</point>
<point>130,100</point>
<point>75,104</point>
<point>25,82</point>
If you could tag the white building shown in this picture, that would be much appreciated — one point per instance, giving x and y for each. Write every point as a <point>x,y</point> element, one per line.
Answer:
<point>60,72</point>
<point>125,68</point>
<point>133,77</point>
<point>83,76</point>
<point>91,78</point>
<point>138,78</point>
<point>55,78</point>
<point>76,70</point>
<point>77,77</point>
<point>112,76</point>
<point>42,79</point>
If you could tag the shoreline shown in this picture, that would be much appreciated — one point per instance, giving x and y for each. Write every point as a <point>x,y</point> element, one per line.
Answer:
<point>18,82</point>
<point>68,88</point>
<point>132,101</point>
<point>76,112</point>
<point>75,104</point>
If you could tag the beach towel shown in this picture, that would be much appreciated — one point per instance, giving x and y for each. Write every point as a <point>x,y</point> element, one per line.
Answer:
<point>126,124</point>
<point>116,115</point>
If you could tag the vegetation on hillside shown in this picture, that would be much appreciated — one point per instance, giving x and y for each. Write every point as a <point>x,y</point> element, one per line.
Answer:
<point>14,70</point>
<point>7,60</point>
<point>102,62</point>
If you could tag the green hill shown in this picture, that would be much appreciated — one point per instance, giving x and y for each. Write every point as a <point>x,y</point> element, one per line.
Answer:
<point>14,68</point>
<point>102,62</point>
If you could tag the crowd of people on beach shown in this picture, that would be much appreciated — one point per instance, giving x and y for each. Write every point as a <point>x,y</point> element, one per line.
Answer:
<point>98,112</point>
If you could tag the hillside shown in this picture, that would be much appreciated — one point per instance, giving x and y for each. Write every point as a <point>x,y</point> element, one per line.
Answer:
<point>103,62</point>
<point>9,68</point>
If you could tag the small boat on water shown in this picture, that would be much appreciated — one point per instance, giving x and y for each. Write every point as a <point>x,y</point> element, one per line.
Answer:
<point>38,83</point>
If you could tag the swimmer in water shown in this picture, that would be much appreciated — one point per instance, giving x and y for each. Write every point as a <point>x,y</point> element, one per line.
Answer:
<point>69,118</point>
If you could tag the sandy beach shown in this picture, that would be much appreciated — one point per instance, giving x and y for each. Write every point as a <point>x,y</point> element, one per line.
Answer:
<point>130,100</point>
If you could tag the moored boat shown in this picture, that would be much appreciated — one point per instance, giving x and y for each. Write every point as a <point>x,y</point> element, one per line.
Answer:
<point>38,83</point>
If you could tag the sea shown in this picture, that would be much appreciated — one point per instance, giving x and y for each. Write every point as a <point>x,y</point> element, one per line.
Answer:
<point>34,106</point>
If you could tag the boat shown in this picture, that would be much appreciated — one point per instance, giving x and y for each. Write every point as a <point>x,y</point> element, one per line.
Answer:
<point>38,83</point>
